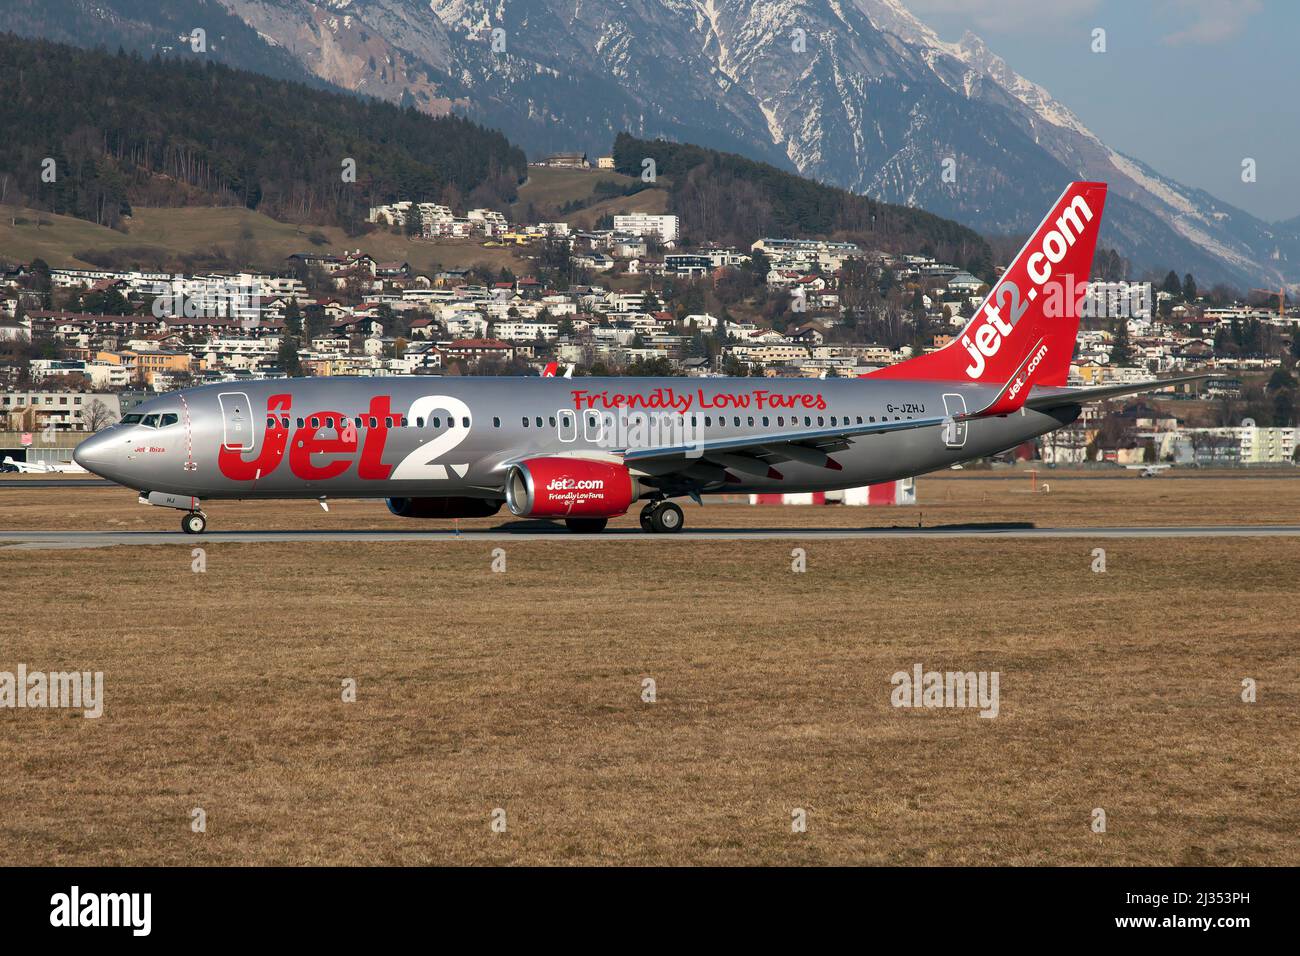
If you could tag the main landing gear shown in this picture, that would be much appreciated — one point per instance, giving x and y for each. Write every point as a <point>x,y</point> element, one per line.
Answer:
<point>662,517</point>
<point>194,522</point>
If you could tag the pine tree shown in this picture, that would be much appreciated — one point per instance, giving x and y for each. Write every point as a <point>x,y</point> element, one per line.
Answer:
<point>1172,285</point>
<point>288,356</point>
<point>1121,352</point>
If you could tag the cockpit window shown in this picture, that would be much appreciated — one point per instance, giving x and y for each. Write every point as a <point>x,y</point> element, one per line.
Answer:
<point>132,419</point>
<point>165,420</point>
<point>150,421</point>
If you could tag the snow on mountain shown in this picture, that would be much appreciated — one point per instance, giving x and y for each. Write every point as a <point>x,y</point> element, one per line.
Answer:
<point>859,93</point>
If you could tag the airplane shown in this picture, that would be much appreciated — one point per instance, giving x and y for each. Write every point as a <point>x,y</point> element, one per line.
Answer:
<point>43,467</point>
<point>1148,471</point>
<point>586,450</point>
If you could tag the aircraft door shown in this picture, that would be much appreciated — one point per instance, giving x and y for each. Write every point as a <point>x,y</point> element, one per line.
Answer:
<point>567,426</point>
<point>238,432</point>
<point>954,433</point>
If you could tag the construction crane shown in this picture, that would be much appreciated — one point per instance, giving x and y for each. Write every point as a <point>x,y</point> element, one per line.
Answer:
<point>1281,298</point>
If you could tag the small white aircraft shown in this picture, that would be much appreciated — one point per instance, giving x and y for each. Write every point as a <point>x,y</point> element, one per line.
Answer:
<point>1148,471</point>
<point>43,467</point>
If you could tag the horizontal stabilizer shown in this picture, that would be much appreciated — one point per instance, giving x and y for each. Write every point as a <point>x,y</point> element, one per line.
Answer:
<point>1081,396</point>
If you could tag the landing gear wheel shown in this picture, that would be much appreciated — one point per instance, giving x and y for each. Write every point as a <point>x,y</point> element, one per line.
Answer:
<point>194,522</point>
<point>667,518</point>
<point>586,525</point>
<point>648,517</point>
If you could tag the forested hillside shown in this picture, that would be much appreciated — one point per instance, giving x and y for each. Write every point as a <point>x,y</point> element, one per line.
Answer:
<point>725,197</point>
<point>123,130</point>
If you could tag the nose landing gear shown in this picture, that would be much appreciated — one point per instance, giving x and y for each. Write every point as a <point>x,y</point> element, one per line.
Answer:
<point>194,522</point>
<point>662,517</point>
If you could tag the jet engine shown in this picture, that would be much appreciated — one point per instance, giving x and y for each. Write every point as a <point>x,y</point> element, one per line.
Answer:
<point>570,488</point>
<point>443,507</point>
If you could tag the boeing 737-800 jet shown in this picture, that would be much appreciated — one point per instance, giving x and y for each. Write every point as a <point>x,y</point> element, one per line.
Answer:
<point>588,449</point>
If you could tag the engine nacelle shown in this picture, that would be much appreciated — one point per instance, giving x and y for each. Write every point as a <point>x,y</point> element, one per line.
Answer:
<point>443,507</point>
<point>570,488</point>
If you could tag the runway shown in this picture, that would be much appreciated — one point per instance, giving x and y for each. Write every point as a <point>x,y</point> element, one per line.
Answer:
<point>42,540</point>
<point>23,484</point>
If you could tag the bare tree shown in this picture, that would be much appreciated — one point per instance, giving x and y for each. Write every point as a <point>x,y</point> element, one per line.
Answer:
<point>96,416</point>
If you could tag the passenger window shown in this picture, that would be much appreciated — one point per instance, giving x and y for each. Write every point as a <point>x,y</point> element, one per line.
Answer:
<point>539,421</point>
<point>388,421</point>
<point>821,422</point>
<point>419,422</point>
<point>708,420</point>
<point>284,422</point>
<point>301,423</point>
<point>437,423</point>
<point>873,418</point>
<point>270,421</point>
<point>780,421</point>
<point>315,423</point>
<point>496,422</point>
<point>552,421</point>
<point>807,422</point>
<point>765,421</point>
<point>374,422</point>
<point>751,421</point>
<point>859,419</point>
<point>736,419</point>
<point>465,422</point>
<point>404,422</point>
<point>525,421</point>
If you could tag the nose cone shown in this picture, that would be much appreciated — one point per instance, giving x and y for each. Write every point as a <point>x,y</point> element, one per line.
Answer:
<point>93,453</point>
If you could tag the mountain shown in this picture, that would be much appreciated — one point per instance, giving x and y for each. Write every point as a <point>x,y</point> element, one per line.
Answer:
<point>855,93</point>
<point>118,129</point>
<point>149,27</point>
<point>874,103</point>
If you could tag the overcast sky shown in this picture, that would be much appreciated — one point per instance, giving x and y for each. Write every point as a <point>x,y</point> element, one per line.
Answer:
<point>1191,87</point>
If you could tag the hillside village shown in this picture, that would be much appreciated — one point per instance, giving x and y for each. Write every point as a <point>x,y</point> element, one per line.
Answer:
<point>633,296</point>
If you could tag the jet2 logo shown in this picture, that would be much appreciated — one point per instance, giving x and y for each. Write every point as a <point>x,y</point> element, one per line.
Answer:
<point>993,327</point>
<point>575,484</point>
<point>1019,383</point>
<point>320,454</point>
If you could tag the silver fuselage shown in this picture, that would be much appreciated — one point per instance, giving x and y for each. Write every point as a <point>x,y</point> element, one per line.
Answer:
<point>345,437</point>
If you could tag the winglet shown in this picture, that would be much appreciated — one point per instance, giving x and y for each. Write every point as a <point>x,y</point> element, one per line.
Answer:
<point>1011,397</point>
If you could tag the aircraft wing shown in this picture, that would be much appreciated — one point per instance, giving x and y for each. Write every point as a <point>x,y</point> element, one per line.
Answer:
<point>757,454</point>
<point>1054,398</point>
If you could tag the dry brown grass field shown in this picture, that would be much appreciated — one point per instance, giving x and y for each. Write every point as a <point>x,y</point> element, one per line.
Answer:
<point>522,690</point>
<point>203,230</point>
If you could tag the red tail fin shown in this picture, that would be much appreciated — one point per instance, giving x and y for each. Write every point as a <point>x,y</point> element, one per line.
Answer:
<point>1038,297</point>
